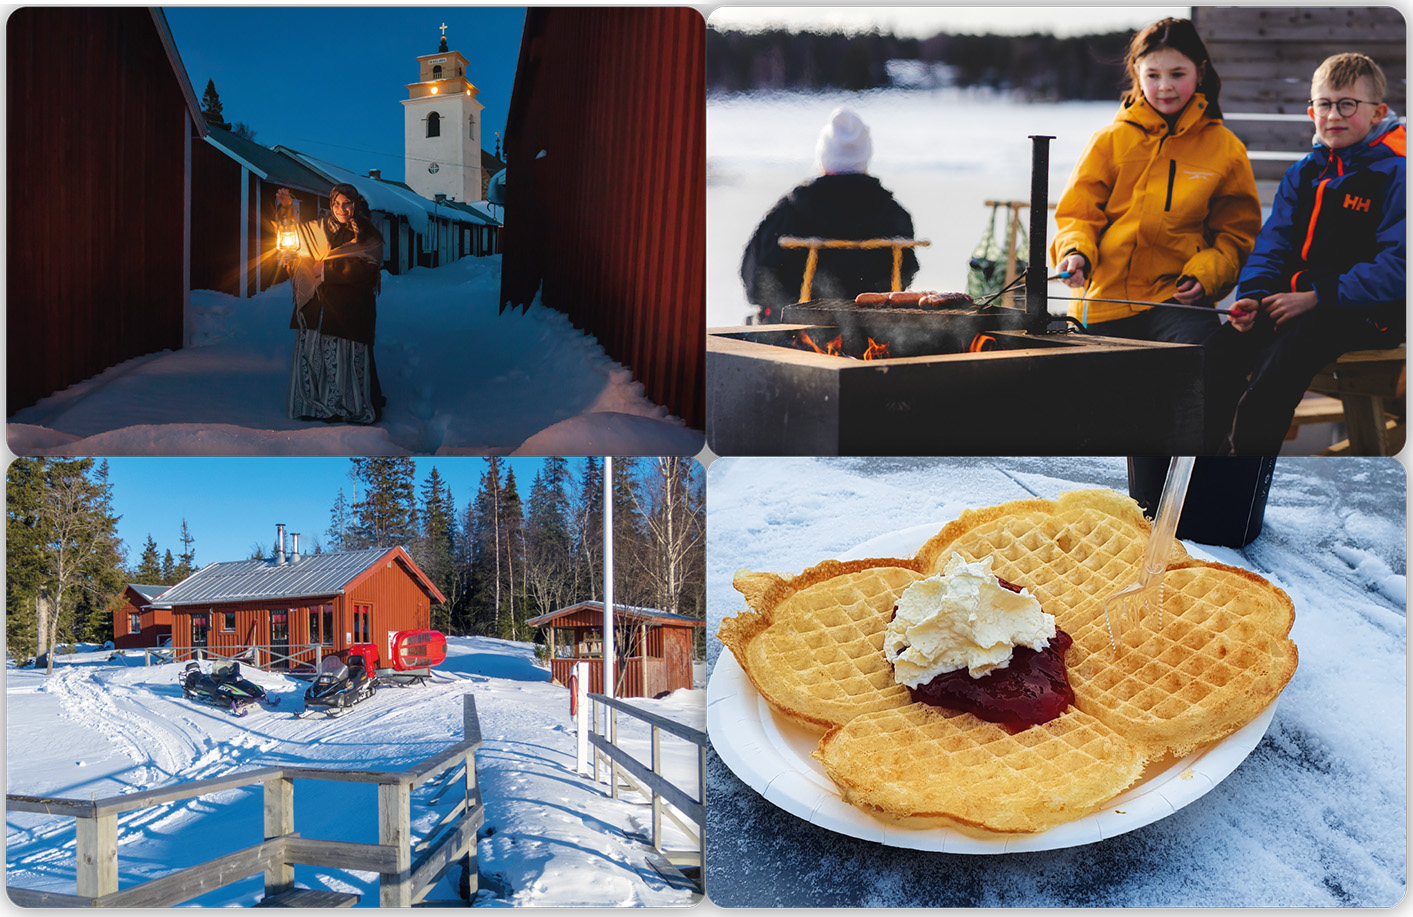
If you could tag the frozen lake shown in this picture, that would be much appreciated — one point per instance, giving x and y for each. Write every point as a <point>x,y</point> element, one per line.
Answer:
<point>943,153</point>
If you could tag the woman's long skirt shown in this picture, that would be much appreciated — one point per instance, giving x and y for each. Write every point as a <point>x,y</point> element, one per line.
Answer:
<point>331,379</point>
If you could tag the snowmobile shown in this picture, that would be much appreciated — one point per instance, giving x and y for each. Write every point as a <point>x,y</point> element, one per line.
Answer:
<point>224,687</point>
<point>339,685</point>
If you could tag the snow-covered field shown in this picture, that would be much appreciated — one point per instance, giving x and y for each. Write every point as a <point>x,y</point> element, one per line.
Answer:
<point>460,378</point>
<point>943,153</point>
<point>100,727</point>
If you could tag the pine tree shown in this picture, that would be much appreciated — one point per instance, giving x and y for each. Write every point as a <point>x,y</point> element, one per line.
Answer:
<point>93,614</point>
<point>211,106</point>
<point>340,524</point>
<point>386,516</point>
<point>169,568</point>
<point>513,524</point>
<point>149,566</point>
<point>487,567</point>
<point>436,548</point>
<point>630,559</point>
<point>186,560</point>
<point>587,569</point>
<point>24,558</point>
<point>548,542</point>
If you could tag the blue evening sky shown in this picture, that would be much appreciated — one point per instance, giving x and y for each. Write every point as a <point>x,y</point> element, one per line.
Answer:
<point>231,504</point>
<point>329,80</point>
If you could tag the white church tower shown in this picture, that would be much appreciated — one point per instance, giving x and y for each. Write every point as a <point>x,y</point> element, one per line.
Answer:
<point>442,128</point>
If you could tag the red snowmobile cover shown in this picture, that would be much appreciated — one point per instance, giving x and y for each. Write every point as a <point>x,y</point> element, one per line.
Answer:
<point>417,649</point>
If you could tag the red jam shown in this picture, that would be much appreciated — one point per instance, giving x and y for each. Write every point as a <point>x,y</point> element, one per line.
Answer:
<point>1033,689</point>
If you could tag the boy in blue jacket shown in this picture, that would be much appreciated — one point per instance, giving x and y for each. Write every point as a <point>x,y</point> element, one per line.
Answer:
<point>1327,275</point>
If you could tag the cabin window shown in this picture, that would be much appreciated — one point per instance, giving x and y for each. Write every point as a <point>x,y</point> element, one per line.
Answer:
<point>228,621</point>
<point>199,625</point>
<point>434,125</point>
<point>362,630</point>
<point>328,631</point>
<point>134,622</point>
<point>313,625</point>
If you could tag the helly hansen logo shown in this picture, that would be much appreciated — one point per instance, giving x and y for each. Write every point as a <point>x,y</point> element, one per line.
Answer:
<point>1353,202</point>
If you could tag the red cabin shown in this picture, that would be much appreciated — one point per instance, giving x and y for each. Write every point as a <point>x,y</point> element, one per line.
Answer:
<point>136,623</point>
<point>291,611</point>
<point>654,648</point>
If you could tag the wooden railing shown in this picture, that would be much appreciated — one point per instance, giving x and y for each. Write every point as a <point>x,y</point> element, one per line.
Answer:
<point>409,867</point>
<point>294,657</point>
<point>647,779</point>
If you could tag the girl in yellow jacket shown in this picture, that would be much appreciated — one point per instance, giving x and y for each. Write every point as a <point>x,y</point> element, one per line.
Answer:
<point>1162,207</point>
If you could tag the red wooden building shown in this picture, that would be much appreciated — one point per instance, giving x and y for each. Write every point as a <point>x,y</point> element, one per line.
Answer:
<point>137,623</point>
<point>292,610</point>
<point>605,200</point>
<point>100,121</point>
<point>654,648</point>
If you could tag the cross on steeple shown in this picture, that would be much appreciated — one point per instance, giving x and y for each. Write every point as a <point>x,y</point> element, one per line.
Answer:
<point>442,47</point>
<point>443,30</point>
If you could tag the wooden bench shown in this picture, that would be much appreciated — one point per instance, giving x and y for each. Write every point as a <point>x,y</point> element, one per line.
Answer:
<point>1370,387</point>
<point>309,897</point>
<point>814,245</point>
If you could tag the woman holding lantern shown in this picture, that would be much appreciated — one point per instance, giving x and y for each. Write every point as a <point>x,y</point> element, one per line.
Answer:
<point>337,271</point>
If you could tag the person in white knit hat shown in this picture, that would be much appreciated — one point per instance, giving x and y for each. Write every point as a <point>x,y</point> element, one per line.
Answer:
<point>843,202</point>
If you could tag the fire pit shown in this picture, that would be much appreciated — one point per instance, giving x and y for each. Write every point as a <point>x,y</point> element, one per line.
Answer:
<point>850,380</point>
<point>1065,394</point>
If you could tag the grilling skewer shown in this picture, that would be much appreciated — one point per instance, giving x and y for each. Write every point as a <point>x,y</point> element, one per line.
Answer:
<point>1135,302</point>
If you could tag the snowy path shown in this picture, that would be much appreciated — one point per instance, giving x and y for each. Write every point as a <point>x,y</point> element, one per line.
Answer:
<point>550,837</point>
<point>460,378</point>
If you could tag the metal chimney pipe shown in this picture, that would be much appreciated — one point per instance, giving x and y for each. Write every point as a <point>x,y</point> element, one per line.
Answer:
<point>279,544</point>
<point>294,556</point>
<point>1037,309</point>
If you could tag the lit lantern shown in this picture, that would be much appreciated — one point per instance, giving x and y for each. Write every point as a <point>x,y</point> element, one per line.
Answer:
<point>287,239</point>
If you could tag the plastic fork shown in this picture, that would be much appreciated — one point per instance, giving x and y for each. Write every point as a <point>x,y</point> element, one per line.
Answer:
<point>1143,600</point>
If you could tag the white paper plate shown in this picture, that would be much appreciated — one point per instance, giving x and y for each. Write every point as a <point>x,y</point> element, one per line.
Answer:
<point>772,755</point>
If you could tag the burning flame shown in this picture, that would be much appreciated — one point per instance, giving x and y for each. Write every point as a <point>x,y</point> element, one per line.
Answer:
<point>876,351</point>
<point>835,348</point>
<point>982,342</point>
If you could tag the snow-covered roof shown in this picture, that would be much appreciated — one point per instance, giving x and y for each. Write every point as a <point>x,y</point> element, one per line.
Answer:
<point>389,197</point>
<point>646,615</point>
<point>265,579</point>
<point>270,165</point>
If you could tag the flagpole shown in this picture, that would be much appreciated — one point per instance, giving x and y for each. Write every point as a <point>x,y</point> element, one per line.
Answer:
<point>608,641</point>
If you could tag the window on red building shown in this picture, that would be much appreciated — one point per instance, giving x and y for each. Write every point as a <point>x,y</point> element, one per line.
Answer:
<point>135,622</point>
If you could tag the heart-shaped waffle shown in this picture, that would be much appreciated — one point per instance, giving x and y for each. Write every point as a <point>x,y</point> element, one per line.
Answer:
<point>1223,652</point>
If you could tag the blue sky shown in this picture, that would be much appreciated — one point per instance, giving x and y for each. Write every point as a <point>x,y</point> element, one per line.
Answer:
<point>328,80</point>
<point>232,503</point>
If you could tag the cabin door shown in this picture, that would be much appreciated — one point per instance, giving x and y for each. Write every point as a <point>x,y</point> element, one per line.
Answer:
<point>279,639</point>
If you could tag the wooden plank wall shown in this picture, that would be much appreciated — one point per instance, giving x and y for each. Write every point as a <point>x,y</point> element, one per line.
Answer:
<point>215,240</point>
<point>611,220</point>
<point>1266,55</point>
<point>398,603</point>
<point>95,149</point>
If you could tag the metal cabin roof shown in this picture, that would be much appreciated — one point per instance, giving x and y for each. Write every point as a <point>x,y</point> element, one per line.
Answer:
<point>628,611</point>
<point>250,580</point>
<point>147,592</point>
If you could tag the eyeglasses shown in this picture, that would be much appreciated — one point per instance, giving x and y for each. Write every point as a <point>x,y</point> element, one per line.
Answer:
<point>1346,107</point>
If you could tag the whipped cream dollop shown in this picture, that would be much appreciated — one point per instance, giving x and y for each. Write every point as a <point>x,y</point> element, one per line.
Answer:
<point>962,619</point>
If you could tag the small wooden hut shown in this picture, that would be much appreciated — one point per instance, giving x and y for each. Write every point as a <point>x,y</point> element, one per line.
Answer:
<point>291,611</point>
<point>653,648</point>
<point>136,622</point>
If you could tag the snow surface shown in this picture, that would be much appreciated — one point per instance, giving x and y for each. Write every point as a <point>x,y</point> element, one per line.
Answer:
<point>102,726</point>
<point>460,378</point>
<point>1316,816</point>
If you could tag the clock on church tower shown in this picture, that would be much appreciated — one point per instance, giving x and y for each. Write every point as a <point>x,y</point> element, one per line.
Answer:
<point>442,128</point>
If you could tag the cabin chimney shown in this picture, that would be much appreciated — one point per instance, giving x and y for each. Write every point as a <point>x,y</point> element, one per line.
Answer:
<point>279,544</point>
<point>376,174</point>
<point>294,556</point>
